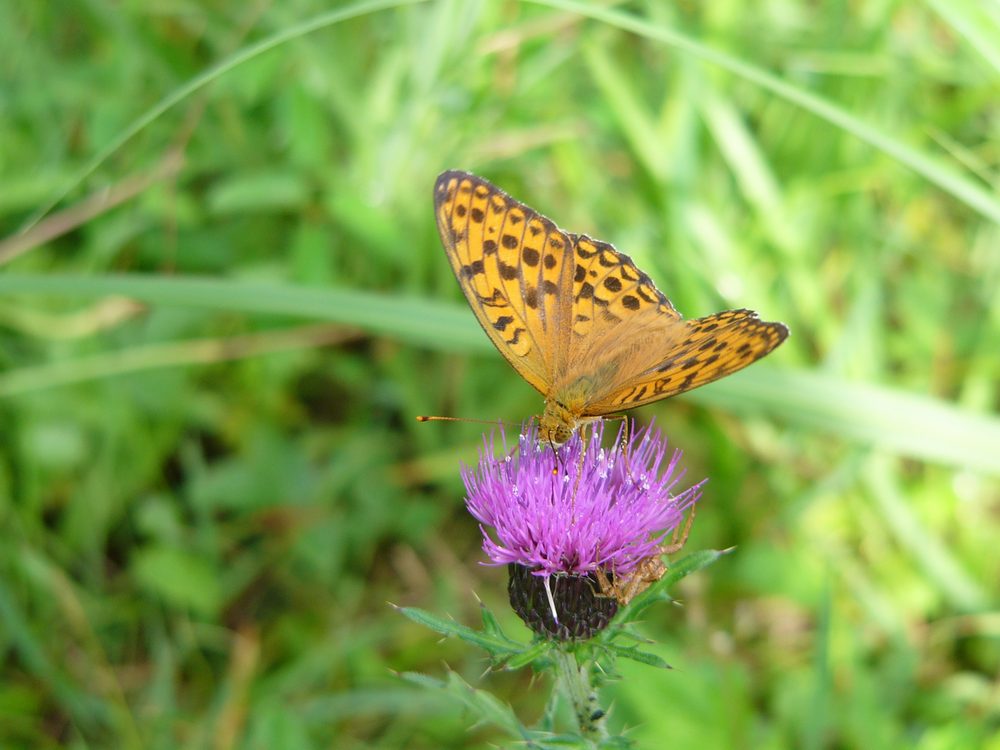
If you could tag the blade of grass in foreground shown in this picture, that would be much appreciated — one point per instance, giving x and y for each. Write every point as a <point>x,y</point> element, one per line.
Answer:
<point>973,24</point>
<point>162,355</point>
<point>905,423</point>
<point>908,424</point>
<point>417,320</point>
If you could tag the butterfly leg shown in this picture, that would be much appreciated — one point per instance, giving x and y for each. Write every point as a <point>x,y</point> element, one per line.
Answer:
<point>606,586</point>
<point>680,536</point>
<point>648,571</point>
<point>626,436</point>
<point>625,588</point>
<point>584,442</point>
<point>645,575</point>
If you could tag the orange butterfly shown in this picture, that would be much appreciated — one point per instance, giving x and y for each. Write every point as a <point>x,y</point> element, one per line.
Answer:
<point>575,317</point>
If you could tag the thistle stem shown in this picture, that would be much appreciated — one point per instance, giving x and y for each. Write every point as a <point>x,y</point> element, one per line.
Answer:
<point>574,680</point>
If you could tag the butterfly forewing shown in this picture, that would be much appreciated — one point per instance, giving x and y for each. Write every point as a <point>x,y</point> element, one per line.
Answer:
<point>608,289</point>
<point>514,268</point>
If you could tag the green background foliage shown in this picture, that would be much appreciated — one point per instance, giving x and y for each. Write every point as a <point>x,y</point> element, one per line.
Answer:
<point>223,301</point>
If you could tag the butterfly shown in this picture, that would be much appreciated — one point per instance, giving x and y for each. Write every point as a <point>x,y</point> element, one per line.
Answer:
<point>575,317</point>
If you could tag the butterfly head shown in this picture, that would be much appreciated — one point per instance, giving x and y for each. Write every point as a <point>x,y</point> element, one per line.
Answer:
<point>556,425</point>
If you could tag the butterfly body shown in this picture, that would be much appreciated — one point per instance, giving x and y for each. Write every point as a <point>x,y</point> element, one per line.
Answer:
<point>575,317</point>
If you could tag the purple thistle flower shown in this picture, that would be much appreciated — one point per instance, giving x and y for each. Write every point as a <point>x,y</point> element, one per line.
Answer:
<point>556,515</point>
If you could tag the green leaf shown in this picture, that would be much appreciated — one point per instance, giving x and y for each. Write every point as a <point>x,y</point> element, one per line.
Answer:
<point>530,655</point>
<point>492,626</point>
<point>264,191</point>
<point>643,657</point>
<point>499,648</point>
<point>484,707</point>
<point>182,578</point>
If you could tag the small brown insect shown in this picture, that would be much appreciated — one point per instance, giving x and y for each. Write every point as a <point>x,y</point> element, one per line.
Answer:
<point>647,572</point>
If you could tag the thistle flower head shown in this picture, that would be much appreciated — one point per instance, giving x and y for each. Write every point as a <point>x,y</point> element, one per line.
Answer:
<point>576,510</point>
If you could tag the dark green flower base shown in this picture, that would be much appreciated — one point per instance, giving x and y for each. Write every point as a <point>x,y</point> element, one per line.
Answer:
<point>582,609</point>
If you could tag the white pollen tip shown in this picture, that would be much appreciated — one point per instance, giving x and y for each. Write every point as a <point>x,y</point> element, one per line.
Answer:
<point>552,602</point>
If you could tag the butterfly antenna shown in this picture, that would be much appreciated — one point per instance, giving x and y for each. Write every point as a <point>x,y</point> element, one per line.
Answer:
<point>560,466</point>
<point>555,449</point>
<point>428,418</point>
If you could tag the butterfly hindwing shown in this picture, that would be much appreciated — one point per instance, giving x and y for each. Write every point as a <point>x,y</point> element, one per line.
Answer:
<point>515,270</point>
<point>621,325</point>
<point>710,348</point>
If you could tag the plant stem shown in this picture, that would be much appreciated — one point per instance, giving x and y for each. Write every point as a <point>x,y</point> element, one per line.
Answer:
<point>575,682</point>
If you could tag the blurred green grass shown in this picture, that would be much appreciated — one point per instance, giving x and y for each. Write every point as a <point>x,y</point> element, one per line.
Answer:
<point>210,477</point>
